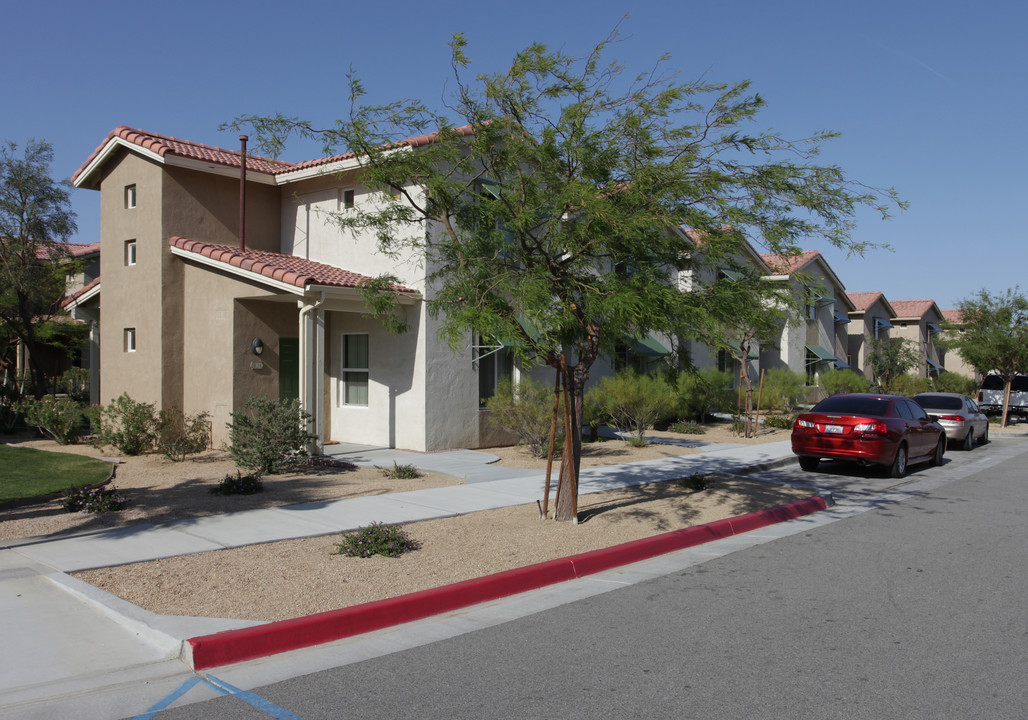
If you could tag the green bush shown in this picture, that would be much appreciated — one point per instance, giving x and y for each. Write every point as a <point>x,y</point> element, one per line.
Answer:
<point>952,382</point>
<point>782,390</point>
<point>687,428</point>
<point>267,436</point>
<point>376,539</point>
<point>127,425</point>
<point>75,383</point>
<point>179,435</point>
<point>399,472</point>
<point>703,393</point>
<point>697,482</point>
<point>93,500</point>
<point>837,382</point>
<point>60,419</point>
<point>778,422</point>
<point>908,385</point>
<point>239,485</point>
<point>526,411</point>
<point>634,402</point>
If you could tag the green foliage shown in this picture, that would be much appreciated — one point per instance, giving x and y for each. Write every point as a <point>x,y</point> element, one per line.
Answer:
<point>778,422</point>
<point>891,358</point>
<point>93,500</point>
<point>634,402</point>
<point>837,382</point>
<point>29,473</point>
<point>75,383</point>
<point>697,482</point>
<point>239,485</point>
<point>267,436</point>
<point>126,424</point>
<point>783,390</point>
<point>60,419</point>
<point>400,472</point>
<point>13,388</point>
<point>376,539</point>
<point>954,383</point>
<point>702,393</point>
<point>908,385</point>
<point>179,436</point>
<point>637,441</point>
<point>526,410</point>
<point>688,428</point>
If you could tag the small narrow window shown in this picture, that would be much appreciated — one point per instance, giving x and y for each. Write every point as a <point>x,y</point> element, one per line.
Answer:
<point>355,370</point>
<point>130,339</point>
<point>130,252</point>
<point>130,197</point>
<point>347,199</point>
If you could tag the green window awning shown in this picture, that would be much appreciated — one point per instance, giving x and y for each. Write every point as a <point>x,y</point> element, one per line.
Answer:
<point>821,353</point>
<point>650,347</point>
<point>732,275</point>
<point>935,366</point>
<point>736,350</point>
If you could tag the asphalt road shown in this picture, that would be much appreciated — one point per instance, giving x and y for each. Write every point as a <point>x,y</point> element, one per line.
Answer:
<point>913,609</point>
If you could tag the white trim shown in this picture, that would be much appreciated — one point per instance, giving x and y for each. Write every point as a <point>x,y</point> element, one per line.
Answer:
<point>248,274</point>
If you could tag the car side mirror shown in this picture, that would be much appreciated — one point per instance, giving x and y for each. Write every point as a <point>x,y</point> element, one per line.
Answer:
<point>933,418</point>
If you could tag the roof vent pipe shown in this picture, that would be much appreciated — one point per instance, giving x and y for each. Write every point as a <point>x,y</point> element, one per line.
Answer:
<point>242,192</point>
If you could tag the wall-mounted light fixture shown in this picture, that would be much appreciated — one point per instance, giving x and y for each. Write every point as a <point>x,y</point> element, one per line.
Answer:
<point>257,346</point>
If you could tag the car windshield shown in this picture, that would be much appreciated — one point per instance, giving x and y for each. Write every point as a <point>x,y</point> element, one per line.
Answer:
<point>992,382</point>
<point>853,405</point>
<point>939,402</point>
<point>1020,383</point>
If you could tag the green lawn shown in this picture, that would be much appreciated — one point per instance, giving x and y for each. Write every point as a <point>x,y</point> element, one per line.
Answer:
<point>26,473</point>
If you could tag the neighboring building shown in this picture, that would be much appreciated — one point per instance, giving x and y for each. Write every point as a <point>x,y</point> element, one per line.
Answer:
<point>920,321</point>
<point>195,319</point>
<point>816,342</point>
<point>870,319</point>
<point>951,358</point>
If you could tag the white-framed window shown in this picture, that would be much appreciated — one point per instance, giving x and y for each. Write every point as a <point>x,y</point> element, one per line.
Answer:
<point>355,371</point>
<point>347,198</point>
<point>130,197</point>
<point>130,253</point>
<point>130,339</point>
<point>495,363</point>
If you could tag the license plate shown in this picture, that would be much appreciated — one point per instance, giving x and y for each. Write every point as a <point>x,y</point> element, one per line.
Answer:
<point>833,429</point>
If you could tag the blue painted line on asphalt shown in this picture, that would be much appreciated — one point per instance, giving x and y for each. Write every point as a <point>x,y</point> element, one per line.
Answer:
<point>265,706</point>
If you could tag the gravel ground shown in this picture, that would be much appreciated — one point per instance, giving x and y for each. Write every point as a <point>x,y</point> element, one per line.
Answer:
<point>287,579</point>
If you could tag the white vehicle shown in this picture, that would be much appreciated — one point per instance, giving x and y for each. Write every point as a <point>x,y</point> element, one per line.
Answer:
<point>990,395</point>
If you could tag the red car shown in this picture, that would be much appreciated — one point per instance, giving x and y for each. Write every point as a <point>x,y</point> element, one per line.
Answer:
<point>885,430</point>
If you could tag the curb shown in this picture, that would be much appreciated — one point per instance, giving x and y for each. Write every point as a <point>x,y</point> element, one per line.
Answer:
<point>234,646</point>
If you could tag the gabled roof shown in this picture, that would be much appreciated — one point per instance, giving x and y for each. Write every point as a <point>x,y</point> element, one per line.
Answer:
<point>788,265</point>
<point>953,316</point>
<point>914,309</point>
<point>82,295</point>
<point>862,301</point>
<point>287,270</point>
<point>80,250</point>
<point>698,238</point>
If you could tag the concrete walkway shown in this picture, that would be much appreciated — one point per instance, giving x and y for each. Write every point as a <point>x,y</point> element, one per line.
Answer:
<point>63,637</point>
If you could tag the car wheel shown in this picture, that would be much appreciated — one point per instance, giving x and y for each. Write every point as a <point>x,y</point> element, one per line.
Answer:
<point>809,463</point>
<point>968,443</point>
<point>899,464</point>
<point>985,436</point>
<point>940,449</point>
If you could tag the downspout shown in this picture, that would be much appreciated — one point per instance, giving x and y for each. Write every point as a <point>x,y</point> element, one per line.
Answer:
<point>312,388</point>
<point>242,192</point>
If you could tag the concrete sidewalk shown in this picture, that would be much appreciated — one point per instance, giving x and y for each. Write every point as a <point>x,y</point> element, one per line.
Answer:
<point>63,636</point>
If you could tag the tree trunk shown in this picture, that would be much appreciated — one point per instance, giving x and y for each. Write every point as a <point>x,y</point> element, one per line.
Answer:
<point>567,489</point>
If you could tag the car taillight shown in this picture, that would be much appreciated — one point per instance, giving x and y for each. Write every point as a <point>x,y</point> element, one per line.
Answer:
<point>872,427</point>
<point>953,418</point>
<point>800,422</point>
<point>980,398</point>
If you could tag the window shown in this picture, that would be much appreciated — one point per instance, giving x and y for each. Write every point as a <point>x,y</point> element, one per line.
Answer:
<point>346,199</point>
<point>130,253</point>
<point>130,197</point>
<point>130,339</point>
<point>354,373</point>
<point>495,364</point>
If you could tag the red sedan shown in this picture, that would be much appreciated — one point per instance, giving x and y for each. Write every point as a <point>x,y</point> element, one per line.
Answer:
<point>885,430</point>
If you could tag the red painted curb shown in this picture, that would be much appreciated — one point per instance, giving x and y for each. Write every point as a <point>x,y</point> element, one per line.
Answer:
<point>234,646</point>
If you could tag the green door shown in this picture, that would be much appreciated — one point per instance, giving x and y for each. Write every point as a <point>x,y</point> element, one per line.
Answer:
<point>289,368</point>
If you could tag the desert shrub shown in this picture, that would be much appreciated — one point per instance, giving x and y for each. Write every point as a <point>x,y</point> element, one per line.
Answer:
<point>836,382</point>
<point>239,485</point>
<point>697,482</point>
<point>779,422</point>
<point>634,402</point>
<point>267,436</point>
<point>908,385</point>
<point>60,419</point>
<point>687,428</point>
<point>93,500</point>
<point>399,472</point>
<point>126,424</point>
<point>179,435</point>
<point>952,382</point>
<point>75,383</point>
<point>703,393</point>
<point>376,539</point>
<point>783,389</point>
<point>525,409</point>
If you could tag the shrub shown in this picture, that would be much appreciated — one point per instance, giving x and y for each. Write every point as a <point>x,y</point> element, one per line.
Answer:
<point>60,419</point>
<point>179,435</point>
<point>778,422</point>
<point>908,385</point>
<point>836,382</point>
<point>952,382</point>
<point>376,539</point>
<point>93,500</point>
<point>127,425</point>
<point>634,402</point>
<point>268,436</point>
<point>400,472</point>
<point>526,411</point>
<point>697,482</point>
<point>239,485</point>
<point>75,383</point>
<point>783,389</point>
<point>688,428</point>
<point>703,393</point>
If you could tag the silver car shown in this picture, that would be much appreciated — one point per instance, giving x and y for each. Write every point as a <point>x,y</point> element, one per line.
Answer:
<point>965,424</point>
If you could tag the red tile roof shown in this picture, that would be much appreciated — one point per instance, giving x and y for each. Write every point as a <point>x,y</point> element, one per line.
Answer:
<point>863,300</point>
<point>288,269</point>
<point>912,308</point>
<point>788,264</point>
<point>78,250</point>
<point>82,291</point>
<point>412,142</point>
<point>953,316</point>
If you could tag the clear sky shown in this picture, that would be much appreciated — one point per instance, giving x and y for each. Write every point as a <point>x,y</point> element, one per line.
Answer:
<point>929,95</point>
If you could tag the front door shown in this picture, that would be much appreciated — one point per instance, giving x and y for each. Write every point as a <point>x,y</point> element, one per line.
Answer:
<point>289,368</point>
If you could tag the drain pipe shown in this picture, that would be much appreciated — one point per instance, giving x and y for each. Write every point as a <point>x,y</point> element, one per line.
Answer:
<point>242,192</point>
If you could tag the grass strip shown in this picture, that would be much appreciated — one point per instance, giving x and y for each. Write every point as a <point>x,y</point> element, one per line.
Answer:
<point>29,473</point>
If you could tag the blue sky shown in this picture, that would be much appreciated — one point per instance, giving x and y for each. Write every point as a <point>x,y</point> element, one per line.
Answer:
<point>930,97</point>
